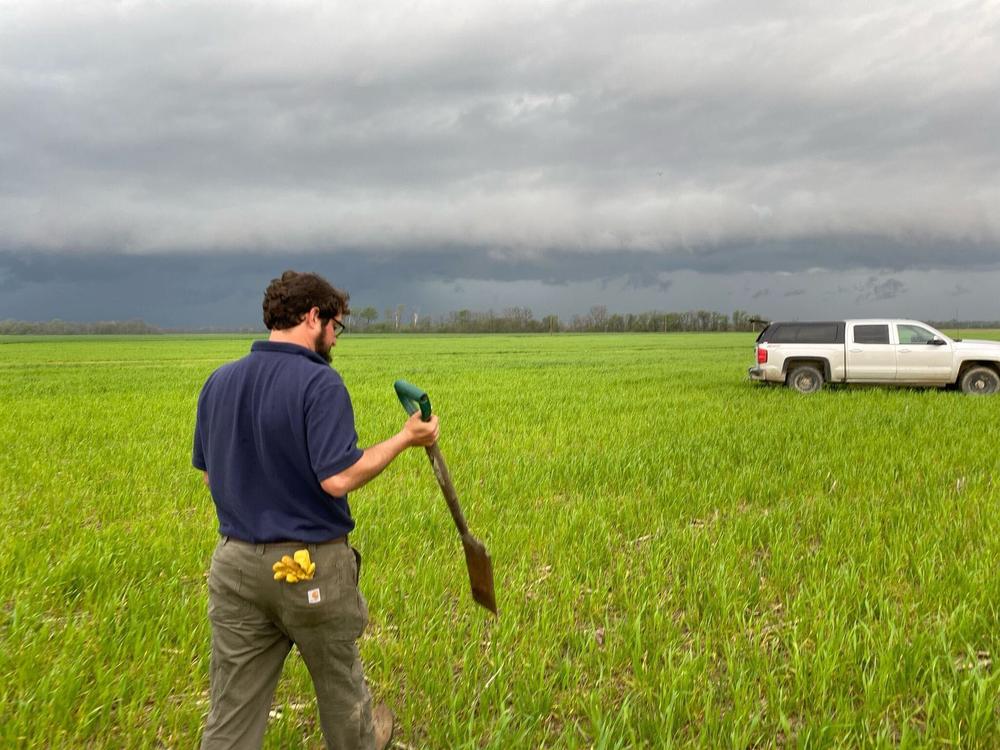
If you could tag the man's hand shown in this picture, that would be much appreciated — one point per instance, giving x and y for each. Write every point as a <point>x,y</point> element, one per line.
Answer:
<point>419,432</point>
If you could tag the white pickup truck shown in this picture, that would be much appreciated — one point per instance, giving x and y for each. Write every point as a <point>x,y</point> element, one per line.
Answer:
<point>805,355</point>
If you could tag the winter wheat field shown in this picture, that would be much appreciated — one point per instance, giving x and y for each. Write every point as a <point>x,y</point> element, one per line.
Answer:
<point>682,559</point>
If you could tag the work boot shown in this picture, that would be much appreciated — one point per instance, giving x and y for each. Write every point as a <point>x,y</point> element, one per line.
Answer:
<point>385,724</point>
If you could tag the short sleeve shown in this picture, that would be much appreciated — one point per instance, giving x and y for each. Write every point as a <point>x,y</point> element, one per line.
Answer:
<point>198,452</point>
<point>330,434</point>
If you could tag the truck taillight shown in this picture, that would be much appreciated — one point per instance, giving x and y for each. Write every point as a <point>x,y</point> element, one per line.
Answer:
<point>761,356</point>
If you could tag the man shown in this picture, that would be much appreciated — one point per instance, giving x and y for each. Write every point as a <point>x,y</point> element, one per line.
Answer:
<point>275,439</point>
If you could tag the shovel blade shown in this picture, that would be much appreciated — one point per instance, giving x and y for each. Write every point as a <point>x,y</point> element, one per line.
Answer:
<point>477,559</point>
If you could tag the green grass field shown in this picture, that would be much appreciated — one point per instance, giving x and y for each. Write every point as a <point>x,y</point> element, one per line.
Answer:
<point>682,559</point>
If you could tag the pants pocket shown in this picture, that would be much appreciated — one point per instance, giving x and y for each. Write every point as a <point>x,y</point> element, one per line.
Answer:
<point>330,600</point>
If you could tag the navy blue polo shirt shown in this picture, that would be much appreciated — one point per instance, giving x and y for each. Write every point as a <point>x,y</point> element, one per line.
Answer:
<point>270,427</point>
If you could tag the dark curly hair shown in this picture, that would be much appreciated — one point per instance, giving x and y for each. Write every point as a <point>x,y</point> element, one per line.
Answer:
<point>289,298</point>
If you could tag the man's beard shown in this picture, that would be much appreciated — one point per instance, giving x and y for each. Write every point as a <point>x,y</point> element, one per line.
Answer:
<point>321,349</point>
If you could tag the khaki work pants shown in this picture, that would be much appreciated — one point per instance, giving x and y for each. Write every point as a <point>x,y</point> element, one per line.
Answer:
<point>255,620</point>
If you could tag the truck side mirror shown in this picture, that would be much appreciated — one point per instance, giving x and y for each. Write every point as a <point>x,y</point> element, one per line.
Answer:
<point>936,342</point>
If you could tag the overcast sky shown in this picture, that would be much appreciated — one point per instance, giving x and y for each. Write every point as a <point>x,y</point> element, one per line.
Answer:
<point>165,160</point>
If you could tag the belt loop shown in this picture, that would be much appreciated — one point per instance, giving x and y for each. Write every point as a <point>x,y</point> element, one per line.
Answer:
<point>312,548</point>
<point>259,549</point>
<point>225,539</point>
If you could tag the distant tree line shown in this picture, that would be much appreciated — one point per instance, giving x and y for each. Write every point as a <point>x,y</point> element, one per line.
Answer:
<point>65,327</point>
<point>952,324</point>
<point>509,320</point>
<point>522,320</point>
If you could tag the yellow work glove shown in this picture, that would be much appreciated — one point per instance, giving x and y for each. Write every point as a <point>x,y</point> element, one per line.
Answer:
<point>294,569</point>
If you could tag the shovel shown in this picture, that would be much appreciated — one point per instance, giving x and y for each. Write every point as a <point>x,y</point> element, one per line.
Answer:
<point>477,559</point>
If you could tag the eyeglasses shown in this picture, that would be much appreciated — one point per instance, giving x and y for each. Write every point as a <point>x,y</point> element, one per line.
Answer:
<point>338,327</point>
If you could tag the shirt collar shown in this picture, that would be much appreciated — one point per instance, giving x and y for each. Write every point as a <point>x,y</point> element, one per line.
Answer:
<point>282,347</point>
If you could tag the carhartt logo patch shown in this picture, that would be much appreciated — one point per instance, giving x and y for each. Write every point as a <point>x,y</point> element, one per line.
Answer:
<point>314,597</point>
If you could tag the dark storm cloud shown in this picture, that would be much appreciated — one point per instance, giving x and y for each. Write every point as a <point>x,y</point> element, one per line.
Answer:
<point>636,269</point>
<point>225,289</point>
<point>162,289</point>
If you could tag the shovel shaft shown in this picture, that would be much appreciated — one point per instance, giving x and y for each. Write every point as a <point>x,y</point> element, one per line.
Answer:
<point>477,559</point>
<point>447,488</point>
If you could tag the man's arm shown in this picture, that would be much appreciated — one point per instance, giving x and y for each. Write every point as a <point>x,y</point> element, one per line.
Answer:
<point>205,476</point>
<point>414,433</point>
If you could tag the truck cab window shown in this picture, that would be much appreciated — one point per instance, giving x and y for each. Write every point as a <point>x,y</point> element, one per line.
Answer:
<point>871,334</point>
<point>914,335</point>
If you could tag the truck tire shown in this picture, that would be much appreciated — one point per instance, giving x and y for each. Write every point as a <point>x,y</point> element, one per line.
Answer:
<point>804,379</point>
<point>980,381</point>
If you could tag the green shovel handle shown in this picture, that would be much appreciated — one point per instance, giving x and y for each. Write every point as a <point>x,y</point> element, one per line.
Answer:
<point>413,399</point>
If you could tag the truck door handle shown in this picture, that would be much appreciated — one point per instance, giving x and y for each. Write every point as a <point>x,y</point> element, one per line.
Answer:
<point>856,351</point>
<point>903,351</point>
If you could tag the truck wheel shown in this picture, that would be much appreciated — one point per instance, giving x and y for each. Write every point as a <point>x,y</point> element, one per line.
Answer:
<point>980,381</point>
<point>805,379</point>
